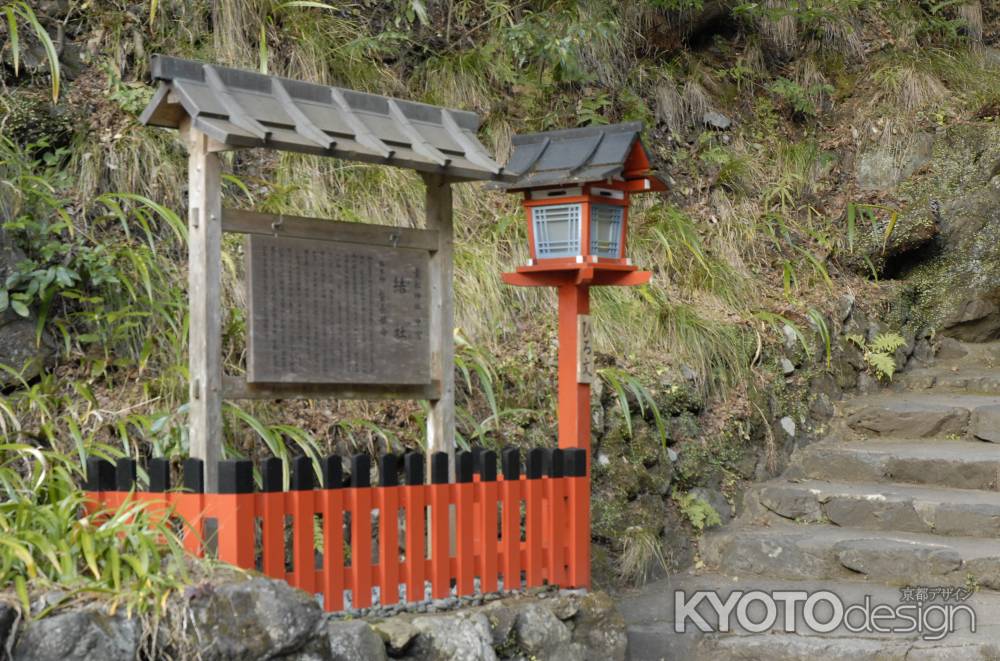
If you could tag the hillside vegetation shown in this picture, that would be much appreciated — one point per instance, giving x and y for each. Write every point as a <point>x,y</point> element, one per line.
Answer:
<point>782,127</point>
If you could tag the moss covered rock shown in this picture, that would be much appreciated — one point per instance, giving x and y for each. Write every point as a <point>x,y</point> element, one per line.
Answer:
<point>957,288</point>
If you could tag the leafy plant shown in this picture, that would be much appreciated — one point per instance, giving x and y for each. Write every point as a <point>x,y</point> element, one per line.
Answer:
<point>553,41</point>
<point>699,513</point>
<point>871,213</point>
<point>16,12</point>
<point>801,100</point>
<point>129,555</point>
<point>879,354</point>
<point>623,384</point>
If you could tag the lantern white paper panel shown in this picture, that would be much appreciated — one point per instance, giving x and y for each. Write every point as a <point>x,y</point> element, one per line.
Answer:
<point>606,230</point>
<point>557,230</point>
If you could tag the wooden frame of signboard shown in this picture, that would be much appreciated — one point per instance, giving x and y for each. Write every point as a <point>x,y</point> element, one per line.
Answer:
<point>207,221</point>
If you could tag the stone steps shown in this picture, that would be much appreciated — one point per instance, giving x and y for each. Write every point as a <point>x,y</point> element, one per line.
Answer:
<point>956,464</point>
<point>831,552</point>
<point>921,415</point>
<point>651,619</point>
<point>902,493</point>
<point>896,507</point>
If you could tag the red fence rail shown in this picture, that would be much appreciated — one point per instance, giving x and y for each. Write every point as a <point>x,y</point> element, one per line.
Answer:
<point>524,529</point>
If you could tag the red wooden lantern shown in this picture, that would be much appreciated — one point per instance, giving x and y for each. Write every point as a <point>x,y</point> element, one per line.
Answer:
<point>577,186</point>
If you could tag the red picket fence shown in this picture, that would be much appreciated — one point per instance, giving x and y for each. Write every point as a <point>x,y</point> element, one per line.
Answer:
<point>527,530</point>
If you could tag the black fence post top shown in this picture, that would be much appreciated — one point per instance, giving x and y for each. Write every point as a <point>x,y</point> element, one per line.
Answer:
<point>235,476</point>
<point>194,475</point>
<point>555,462</point>
<point>511,464</point>
<point>388,470</point>
<point>575,462</point>
<point>159,474</point>
<point>463,466</point>
<point>535,463</point>
<point>333,472</point>
<point>303,478</point>
<point>439,468</point>
<point>272,475</point>
<point>361,467</point>
<point>100,474</point>
<point>488,466</point>
<point>414,468</point>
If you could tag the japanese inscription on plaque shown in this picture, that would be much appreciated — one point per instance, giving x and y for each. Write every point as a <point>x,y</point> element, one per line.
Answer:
<point>585,369</point>
<point>325,312</point>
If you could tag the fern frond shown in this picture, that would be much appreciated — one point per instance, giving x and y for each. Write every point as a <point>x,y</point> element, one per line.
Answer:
<point>887,342</point>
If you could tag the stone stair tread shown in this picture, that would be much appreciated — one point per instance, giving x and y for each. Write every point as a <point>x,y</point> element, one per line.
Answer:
<point>934,448</point>
<point>936,379</point>
<point>821,535</point>
<point>940,510</point>
<point>649,615</point>
<point>928,400</point>
<point>924,414</point>
<point>822,551</point>
<point>928,493</point>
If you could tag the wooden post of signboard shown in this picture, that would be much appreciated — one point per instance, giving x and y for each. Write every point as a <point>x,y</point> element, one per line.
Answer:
<point>204,296</point>
<point>441,420</point>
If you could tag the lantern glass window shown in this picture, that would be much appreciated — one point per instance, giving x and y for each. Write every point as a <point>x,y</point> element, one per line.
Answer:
<point>557,230</point>
<point>606,230</point>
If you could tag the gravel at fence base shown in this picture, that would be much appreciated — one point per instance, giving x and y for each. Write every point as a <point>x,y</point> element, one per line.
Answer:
<point>430,605</point>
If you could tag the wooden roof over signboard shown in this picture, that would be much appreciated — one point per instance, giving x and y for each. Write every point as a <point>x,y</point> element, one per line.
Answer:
<point>248,109</point>
<point>581,155</point>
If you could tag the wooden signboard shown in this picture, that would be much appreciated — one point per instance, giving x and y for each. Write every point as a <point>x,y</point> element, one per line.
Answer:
<point>332,312</point>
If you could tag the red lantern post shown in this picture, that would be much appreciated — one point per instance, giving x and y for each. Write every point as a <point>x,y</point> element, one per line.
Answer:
<point>577,186</point>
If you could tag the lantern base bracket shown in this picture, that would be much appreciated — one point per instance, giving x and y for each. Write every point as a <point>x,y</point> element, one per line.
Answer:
<point>593,274</point>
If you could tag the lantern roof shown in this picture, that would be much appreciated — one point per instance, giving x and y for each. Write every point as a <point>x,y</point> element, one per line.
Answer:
<point>581,155</point>
<point>243,109</point>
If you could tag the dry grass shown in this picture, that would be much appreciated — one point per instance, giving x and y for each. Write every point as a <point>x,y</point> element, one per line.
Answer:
<point>642,555</point>
<point>907,88</point>
<point>779,33</point>
<point>971,13</point>
<point>669,104</point>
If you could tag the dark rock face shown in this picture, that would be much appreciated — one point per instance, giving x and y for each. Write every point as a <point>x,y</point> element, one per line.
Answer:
<point>8,618</point>
<point>250,619</point>
<point>83,635</point>
<point>957,288</point>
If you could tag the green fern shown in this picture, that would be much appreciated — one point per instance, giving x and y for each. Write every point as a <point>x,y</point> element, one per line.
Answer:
<point>879,354</point>
<point>698,512</point>
<point>883,364</point>
<point>887,342</point>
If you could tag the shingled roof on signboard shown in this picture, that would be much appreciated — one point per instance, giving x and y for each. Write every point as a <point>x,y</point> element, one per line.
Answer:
<point>242,109</point>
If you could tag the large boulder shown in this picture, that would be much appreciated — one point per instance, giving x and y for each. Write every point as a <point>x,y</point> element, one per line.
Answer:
<point>79,635</point>
<point>599,628</point>
<point>251,618</point>
<point>955,287</point>
<point>453,637</point>
<point>354,639</point>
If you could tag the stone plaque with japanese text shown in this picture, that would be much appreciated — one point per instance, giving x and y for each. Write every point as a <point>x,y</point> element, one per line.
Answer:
<point>325,312</point>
